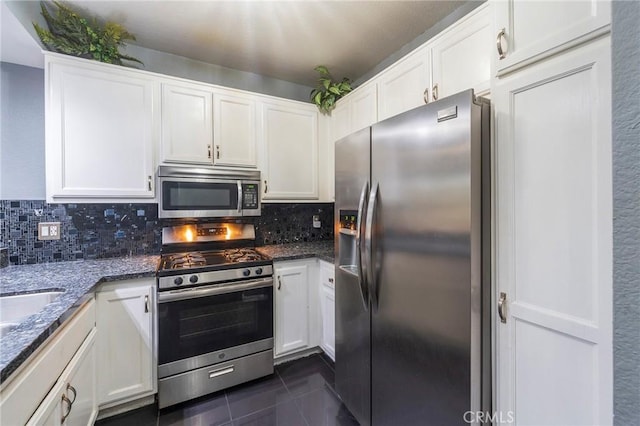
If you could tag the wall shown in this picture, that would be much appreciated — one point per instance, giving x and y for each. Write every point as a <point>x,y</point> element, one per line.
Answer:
<point>22,132</point>
<point>93,231</point>
<point>626,211</point>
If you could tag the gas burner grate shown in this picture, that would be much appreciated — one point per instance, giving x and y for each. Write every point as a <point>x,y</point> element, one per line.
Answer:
<point>186,261</point>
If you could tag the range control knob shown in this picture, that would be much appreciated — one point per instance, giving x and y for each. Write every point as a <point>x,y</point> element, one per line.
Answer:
<point>246,272</point>
<point>193,279</point>
<point>259,271</point>
<point>178,281</point>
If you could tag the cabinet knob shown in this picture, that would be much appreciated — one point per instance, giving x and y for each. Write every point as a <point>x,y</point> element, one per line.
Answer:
<point>66,401</point>
<point>72,389</point>
<point>149,182</point>
<point>502,53</point>
<point>425,95</point>
<point>218,152</point>
<point>330,280</point>
<point>146,304</point>
<point>434,92</point>
<point>502,307</point>
<point>279,282</point>
<point>266,187</point>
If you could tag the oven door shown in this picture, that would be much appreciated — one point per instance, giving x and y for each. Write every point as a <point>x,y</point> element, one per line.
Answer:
<point>199,197</point>
<point>207,325</point>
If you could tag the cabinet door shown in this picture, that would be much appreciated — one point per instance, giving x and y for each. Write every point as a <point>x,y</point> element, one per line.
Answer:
<point>554,239</point>
<point>533,30</point>
<point>100,130</point>
<point>291,308</point>
<point>364,106</point>
<point>462,55</point>
<point>187,124</point>
<point>328,304</point>
<point>341,120</point>
<point>291,152</point>
<point>49,412</point>
<point>125,341</point>
<point>80,387</point>
<point>234,131</point>
<point>405,85</point>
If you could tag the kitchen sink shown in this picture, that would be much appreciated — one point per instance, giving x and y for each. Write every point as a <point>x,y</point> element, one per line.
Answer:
<point>15,308</point>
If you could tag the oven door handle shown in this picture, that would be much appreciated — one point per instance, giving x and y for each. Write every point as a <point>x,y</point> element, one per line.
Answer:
<point>192,293</point>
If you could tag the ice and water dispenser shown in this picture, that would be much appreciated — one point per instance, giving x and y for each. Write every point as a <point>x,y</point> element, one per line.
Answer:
<point>347,235</point>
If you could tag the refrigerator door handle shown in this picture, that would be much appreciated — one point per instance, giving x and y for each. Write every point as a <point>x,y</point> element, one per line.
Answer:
<point>371,246</point>
<point>360,225</point>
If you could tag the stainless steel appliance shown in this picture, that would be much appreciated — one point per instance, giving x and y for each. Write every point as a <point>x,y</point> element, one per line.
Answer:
<point>205,192</point>
<point>413,266</point>
<point>215,310</point>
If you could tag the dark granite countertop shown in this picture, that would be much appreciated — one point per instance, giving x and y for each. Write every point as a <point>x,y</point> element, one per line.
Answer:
<point>279,252</point>
<point>78,279</point>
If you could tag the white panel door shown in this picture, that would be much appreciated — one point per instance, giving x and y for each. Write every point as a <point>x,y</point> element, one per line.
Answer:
<point>125,342</point>
<point>364,106</point>
<point>462,56</point>
<point>291,308</point>
<point>554,239</point>
<point>100,133</point>
<point>535,29</point>
<point>327,308</point>
<point>81,384</point>
<point>234,131</point>
<point>187,124</point>
<point>341,120</point>
<point>291,151</point>
<point>406,84</point>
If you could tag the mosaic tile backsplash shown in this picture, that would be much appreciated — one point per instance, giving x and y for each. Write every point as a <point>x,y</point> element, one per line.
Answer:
<point>93,231</point>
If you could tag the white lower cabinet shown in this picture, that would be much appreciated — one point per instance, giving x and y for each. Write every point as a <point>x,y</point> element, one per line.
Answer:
<point>295,311</point>
<point>328,309</point>
<point>126,337</point>
<point>72,401</point>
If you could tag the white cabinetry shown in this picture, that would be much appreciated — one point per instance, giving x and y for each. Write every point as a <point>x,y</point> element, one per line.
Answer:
<point>327,308</point>
<point>72,401</point>
<point>528,31</point>
<point>100,129</point>
<point>296,306</point>
<point>553,225</point>
<point>363,106</point>
<point>234,132</point>
<point>290,169</point>
<point>405,85</point>
<point>126,336</point>
<point>187,123</point>
<point>461,56</point>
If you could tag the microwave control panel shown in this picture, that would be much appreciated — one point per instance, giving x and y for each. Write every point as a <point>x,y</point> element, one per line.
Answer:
<point>250,196</point>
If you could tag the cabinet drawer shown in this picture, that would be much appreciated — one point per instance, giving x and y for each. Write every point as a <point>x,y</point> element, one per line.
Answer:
<point>26,391</point>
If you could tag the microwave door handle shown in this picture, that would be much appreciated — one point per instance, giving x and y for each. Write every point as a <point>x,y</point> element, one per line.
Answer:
<point>239,196</point>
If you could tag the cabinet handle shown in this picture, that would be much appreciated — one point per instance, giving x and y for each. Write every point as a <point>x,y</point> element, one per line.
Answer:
<point>146,304</point>
<point>149,182</point>
<point>67,401</point>
<point>434,92</point>
<point>218,152</point>
<point>501,53</point>
<point>502,307</point>
<point>330,280</point>
<point>279,282</point>
<point>72,389</point>
<point>208,151</point>
<point>425,95</point>
<point>266,187</point>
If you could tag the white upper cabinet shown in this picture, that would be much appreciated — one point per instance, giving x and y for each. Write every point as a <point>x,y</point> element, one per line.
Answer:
<point>405,85</point>
<point>100,130</point>
<point>462,55</point>
<point>234,131</point>
<point>187,123</point>
<point>363,106</point>
<point>340,120</point>
<point>527,31</point>
<point>290,169</point>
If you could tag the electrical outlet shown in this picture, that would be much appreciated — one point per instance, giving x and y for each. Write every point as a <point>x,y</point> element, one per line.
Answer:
<point>316,221</point>
<point>49,230</point>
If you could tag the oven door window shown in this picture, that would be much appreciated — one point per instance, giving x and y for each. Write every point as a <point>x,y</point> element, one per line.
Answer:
<point>198,326</point>
<point>178,195</point>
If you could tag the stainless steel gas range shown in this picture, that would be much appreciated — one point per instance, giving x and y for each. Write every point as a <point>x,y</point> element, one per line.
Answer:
<point>215,310</point>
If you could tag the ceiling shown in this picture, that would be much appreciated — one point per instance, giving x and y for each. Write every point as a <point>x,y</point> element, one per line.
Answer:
<point>279,39</point>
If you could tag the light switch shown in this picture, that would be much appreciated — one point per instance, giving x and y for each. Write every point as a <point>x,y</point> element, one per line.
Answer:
<point>49,230</point>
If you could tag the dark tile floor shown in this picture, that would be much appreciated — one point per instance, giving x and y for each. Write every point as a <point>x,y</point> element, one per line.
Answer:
<point>299,393</point>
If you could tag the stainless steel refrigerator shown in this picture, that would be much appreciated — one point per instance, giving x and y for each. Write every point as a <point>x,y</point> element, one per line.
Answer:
<point>412,218</point>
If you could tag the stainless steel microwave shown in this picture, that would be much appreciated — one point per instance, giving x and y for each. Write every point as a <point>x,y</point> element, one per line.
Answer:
<point>205,192</point>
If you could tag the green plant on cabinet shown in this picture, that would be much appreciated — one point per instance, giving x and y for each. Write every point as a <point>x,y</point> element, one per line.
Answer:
<point>328,91</point>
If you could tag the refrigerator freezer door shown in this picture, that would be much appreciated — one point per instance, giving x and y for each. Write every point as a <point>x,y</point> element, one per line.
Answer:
<point>353,340</point>
<point>426,322</point>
